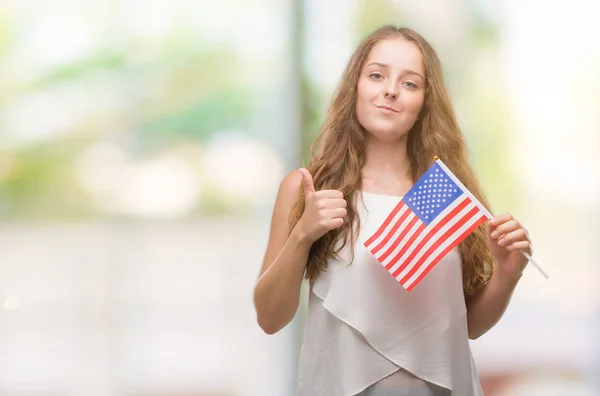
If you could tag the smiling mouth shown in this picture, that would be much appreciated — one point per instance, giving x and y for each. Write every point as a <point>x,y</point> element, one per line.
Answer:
<point>387,108</point>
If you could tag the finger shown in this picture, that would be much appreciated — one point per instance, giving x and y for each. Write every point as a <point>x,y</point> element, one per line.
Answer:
<point>521,245</point>
<point>334,194</point>
<point>338,213</point>
<point>491,227</point>
<point>329,203</point>
<point>331,224</point>
<point>307,182</point>
<point>503,218</point>
<point>505,228</point>
<point>512,237</point>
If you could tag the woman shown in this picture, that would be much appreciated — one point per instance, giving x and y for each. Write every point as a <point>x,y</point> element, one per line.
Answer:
<point>365,334</point>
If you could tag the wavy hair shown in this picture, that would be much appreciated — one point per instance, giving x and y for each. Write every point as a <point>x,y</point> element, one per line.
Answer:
<point>338,156</point>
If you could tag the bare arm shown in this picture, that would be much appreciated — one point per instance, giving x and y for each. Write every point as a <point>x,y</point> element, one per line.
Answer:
<point>485,309</point>
<point>507,237</point>
<point>277,290</point>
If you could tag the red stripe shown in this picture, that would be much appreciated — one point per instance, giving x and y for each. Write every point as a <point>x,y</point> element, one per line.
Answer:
<point>392,231</point>
<point>409,226</point>
<point>385,224</point>
<point>418,232</point>
<point>431,232</point>
<point>438,241</point>
<point>479,222</point>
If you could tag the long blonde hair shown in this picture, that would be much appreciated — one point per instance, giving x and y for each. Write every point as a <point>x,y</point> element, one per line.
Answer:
<point>338,156</point>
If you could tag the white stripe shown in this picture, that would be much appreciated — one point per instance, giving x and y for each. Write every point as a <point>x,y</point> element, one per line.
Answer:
<point>453,220</point>
<point>389,226</point>
<point>396,234</point>
<point>407,237</point>
<point>418,239</point>
<point>465,189</point>
<point>441,248</point>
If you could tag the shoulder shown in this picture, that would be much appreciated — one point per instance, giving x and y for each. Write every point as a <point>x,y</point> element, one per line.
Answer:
<point>290,186</point>
<point>287,196</point>
<point>291,182</point>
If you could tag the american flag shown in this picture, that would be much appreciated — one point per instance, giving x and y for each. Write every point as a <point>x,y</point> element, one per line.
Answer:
<point>436,214</point>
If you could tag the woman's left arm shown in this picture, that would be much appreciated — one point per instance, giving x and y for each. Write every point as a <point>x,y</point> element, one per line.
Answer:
<point>507,238</point>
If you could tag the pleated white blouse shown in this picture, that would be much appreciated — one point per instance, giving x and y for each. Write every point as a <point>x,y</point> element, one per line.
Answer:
<point>366,335</point>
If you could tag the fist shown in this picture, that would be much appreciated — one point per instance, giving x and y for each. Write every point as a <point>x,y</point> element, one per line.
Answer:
<point>324,210</point>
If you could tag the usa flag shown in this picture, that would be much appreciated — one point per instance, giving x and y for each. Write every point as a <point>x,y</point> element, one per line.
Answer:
<point>436,214</point>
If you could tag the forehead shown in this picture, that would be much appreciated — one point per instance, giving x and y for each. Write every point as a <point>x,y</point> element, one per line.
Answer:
<point>398,53</point>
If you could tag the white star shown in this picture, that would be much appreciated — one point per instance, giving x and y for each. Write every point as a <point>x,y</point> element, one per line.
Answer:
<point>443,200</point>
<point>438,205</point>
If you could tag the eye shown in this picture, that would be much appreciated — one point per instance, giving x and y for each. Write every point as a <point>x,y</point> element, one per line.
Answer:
<point>376,76</point>
<point>410,85</point>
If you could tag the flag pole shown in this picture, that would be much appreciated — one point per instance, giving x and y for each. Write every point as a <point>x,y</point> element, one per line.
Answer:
<point>524,253</point>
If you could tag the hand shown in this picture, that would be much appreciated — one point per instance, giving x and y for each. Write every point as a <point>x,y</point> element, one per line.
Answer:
<point>507,238</point>
<point>324,210</point>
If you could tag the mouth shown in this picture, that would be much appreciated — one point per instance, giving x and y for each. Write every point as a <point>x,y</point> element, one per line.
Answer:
<point>387,109</point>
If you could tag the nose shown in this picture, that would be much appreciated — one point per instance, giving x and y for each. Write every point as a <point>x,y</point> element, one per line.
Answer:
<point>391,92</point>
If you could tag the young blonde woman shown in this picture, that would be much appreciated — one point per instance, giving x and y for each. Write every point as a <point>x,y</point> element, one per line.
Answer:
<point>365,334</point>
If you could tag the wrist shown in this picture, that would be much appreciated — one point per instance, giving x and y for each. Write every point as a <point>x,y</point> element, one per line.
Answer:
<point>300,238</point>
<point>507,277</point>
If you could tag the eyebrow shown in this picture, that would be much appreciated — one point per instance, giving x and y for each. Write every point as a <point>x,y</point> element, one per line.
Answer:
<point>407,71</point>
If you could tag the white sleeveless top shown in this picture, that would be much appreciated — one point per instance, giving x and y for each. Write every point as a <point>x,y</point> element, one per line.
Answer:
<point>366,335</point>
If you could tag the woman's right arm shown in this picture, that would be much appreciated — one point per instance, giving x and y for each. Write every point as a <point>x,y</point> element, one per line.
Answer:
<point>277,291</point>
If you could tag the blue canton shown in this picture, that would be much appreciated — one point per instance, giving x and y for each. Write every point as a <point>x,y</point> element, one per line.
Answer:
<point>431,194</point>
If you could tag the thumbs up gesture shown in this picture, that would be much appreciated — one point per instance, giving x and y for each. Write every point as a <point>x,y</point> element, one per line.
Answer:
<point>324,210</point>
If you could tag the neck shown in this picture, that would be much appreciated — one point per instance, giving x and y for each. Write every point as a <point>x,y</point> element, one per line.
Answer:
<point>386,168</point>
<point>386,158</point>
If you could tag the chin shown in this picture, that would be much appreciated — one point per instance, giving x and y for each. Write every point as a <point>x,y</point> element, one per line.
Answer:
<point>388,134</point>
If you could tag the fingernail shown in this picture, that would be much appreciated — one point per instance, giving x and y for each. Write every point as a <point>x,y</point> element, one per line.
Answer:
<point>494,234</point>
<point>493,221</point>
<point>501,242</point>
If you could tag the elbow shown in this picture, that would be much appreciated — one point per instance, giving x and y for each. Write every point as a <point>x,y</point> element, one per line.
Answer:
<point>269,330</point>
<point>266,320</point>
<point>268,327</point>
<point>474,333</point>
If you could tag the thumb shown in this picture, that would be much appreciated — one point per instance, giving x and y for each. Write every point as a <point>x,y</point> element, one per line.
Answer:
<point>491,226</point>
<point>307,181</point>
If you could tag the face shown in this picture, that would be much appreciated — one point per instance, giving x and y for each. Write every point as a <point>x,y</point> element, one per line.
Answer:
<point>391,89</point>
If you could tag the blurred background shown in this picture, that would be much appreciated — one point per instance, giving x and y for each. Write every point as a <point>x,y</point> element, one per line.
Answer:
<point>142,144</point>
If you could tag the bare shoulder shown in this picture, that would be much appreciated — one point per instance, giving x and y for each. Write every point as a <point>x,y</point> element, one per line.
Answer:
<point>289,190</point>
<point>287,196</point>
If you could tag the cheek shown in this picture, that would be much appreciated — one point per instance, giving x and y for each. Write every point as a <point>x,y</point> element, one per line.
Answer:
<point>414,103</point>
<point>364,93</point>
<point>363,99</point>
